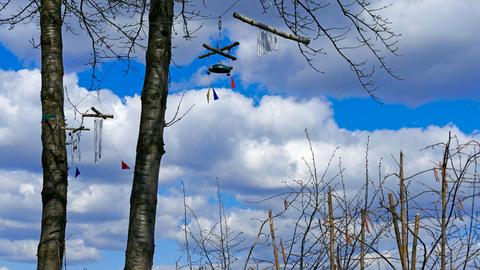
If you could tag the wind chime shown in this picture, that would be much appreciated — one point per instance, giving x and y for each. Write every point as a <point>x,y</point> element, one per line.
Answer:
<point>97,130</point>
<point>267,35</point>
<point>75,135</point>
<point>97,135</point>
<point>220,67</point>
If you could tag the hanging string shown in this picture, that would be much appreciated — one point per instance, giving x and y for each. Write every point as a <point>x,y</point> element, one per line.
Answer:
<point>207,18</point>
<point>229,8</point>
<point>116,152</point>
<point>219,32</point>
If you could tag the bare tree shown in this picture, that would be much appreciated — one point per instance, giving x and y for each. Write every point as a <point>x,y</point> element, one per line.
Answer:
<point>439,227</point>
<point>215,247</point>
<point>358,24</point>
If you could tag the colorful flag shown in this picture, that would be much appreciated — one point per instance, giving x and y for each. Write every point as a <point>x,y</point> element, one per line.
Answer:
<point>215,97</point>
<point>233,83</point>
<point>125,166</point>
<point>208,95</point>
<point>77,172</point>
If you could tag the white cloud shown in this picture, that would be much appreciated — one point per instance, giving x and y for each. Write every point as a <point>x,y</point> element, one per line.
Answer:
<point>433,64</point>
<point>26,250</point>
<point>251,148</point>
<point>79,252</point>
<point>18,250</point>
<point>162,267</point>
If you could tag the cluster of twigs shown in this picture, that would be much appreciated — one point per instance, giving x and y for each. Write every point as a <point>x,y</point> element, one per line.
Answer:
<point>215,247</point>
<point>363,26</point>
<point>427,220</point>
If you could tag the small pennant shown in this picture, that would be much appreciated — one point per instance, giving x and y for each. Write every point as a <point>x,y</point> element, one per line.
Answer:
<point>215,96</point>
<point>77,172</point>
<point>233,83</point>
<point>125,166</point>
<point>208,95</point>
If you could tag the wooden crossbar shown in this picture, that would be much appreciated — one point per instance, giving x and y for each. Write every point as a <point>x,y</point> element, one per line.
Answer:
<point>228,47</point>
<point>82,128</point>
<point>217,51</point>
<point>97,114</point>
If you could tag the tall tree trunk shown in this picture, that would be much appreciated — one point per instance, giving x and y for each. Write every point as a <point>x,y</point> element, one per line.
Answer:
<point>54,155</point>
<point>150,145</point>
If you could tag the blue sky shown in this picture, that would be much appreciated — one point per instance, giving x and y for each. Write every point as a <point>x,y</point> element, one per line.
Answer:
<point>350,113</point>
<point>252,138</point>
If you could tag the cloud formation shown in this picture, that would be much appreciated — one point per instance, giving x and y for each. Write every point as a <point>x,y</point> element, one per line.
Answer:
<point>254,149</point>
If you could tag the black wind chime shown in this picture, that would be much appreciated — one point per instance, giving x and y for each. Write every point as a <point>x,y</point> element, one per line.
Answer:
<point>220,67</point>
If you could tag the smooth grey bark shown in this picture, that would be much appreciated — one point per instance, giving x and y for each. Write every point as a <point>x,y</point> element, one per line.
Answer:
<point>150,145</point>
<point>54,155</point>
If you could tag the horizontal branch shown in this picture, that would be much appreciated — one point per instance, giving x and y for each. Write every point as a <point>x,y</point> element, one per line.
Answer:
<point>271,29</point>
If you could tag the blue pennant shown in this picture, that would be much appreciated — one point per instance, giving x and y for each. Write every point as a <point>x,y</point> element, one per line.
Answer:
<point>215,96</point>
<point>77,172</point>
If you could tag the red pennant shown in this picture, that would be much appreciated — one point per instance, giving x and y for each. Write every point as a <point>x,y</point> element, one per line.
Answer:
<point>125,166</point>
<point>233,84</point>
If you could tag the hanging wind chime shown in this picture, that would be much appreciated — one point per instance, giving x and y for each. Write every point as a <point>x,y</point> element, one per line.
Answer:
<point>74,135</point>
<point>97,134</point>
<point>220,67</point>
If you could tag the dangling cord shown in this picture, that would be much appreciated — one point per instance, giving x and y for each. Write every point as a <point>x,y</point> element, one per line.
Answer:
<point>210,80</point>
<point>219,31</point>
<point>230,63</point>
<point>209,89</point>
